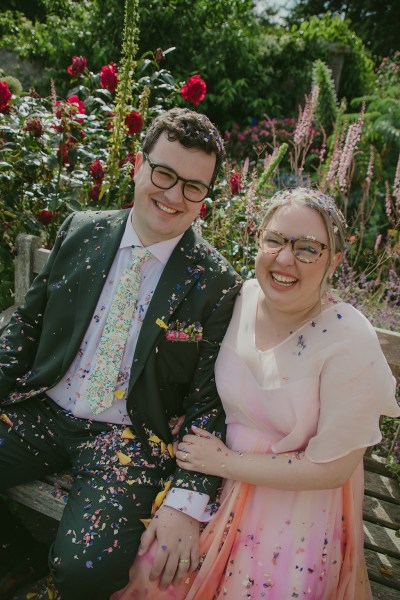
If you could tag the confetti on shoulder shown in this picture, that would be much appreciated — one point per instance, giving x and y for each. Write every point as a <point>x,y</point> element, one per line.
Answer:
<point>161,324</point>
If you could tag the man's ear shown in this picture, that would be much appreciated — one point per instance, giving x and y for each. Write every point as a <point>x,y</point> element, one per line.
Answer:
<point>139,160</point>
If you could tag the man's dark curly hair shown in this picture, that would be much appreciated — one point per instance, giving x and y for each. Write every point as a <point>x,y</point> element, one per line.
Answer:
<point>189,128</point>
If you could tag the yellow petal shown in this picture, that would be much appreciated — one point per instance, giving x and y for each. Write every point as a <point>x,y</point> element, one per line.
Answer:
<point>155,439</point>
<point>161,323</point>
<point>386,571</point>
<point>6,420</point>
<point>123,458</point>
<point>163,446</point>
<point>167,486</point>
<point>171,450</point>
<point>119,394</point>
<point>145,522</point>
<point>159,499</point>
<point>127,434</point>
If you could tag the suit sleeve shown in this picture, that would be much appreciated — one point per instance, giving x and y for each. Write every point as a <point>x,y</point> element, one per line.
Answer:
<point>20,340</point>
<point>202,406</point>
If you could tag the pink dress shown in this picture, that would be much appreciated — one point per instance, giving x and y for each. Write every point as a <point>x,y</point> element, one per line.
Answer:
<point>321,390</point>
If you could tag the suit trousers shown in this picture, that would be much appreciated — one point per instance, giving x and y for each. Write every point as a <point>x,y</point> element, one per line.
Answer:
<point>100,530</point>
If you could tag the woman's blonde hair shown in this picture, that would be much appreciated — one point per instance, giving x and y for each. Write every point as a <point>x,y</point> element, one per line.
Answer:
<point>325,205</point>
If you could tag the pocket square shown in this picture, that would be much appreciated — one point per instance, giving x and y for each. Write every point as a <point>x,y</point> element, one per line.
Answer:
<point>185,331</point>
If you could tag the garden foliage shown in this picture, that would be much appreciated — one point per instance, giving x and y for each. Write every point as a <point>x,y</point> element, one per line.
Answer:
<point>252,67</point>
<point>376,23</point>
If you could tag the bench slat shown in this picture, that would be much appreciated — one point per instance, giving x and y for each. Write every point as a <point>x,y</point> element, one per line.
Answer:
<point>383,569</point>
<point>26,245</point>
<point>381,512</point>
<point>41,497</point>
<point>381,592</point>
<point>390,344</point>
<point>40,257</point>
<point>381,539</point>
<point>381,487</point>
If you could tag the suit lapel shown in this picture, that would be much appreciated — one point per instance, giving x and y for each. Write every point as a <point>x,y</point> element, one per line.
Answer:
<point>100,248</point>
<point>177,279</point>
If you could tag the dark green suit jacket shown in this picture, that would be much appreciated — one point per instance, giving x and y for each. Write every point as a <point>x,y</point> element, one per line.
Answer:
<point>168,378</point>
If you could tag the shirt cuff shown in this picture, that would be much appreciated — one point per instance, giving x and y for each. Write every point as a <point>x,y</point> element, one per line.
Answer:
<point>190,503</point>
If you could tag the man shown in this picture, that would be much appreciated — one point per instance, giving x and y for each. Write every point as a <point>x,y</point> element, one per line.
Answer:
<point>61,347</point>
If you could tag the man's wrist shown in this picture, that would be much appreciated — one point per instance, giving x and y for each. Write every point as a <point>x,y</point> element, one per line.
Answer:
<point>188,502</point>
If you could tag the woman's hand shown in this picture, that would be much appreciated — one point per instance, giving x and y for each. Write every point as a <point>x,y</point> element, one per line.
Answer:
<point>290,471</point>
<point>203,452</point>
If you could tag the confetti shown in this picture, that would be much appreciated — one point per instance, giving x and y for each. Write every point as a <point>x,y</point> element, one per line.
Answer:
<point>123,458</point>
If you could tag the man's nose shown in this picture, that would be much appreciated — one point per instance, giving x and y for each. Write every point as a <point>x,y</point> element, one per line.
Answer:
<point>175,193</point>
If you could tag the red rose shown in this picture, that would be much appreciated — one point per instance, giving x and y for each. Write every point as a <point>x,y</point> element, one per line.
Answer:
<point>203,210</point>
<point>235,184</point>
<point>94,192</point>
<point>108,77</point>
<point>67,110</point>
<point>34,126</point>
<point>134,122</point>
<point>74,100</point>
<point>78,65</point>
<point>47,216</point>
<point>194,89</point>
<point>97,171</point>
<point>5,96</point>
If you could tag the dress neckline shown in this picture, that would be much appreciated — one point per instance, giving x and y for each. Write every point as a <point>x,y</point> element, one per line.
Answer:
<point>295,332</point>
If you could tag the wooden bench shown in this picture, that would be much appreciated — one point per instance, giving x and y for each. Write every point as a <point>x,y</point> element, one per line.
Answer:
<point>30,258</point>
<point>382,492</point>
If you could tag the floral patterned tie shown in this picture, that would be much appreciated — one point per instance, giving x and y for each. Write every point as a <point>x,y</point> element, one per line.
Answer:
<point>108,357</point>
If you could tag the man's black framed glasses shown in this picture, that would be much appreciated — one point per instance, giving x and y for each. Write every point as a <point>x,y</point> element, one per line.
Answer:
<point>165,178</point>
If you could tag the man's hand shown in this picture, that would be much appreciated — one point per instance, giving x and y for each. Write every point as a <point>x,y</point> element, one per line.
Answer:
<point>177,552</point>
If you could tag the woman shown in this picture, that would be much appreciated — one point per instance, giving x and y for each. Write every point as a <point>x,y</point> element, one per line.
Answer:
<point>303,382</point>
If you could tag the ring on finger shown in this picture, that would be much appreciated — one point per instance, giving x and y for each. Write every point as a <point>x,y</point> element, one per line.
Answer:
<point>185,457</point>
<point>184,560</point>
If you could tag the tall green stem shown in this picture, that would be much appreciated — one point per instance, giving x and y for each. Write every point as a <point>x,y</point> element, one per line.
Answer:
<point>125,83</point>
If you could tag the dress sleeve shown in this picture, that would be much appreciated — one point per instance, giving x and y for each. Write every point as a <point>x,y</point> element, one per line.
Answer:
<point>356,388</point>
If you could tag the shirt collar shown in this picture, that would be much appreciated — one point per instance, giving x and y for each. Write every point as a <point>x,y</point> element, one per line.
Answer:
<point>161,250</point>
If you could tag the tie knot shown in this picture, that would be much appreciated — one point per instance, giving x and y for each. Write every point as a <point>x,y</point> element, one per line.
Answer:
<point>140,254</point>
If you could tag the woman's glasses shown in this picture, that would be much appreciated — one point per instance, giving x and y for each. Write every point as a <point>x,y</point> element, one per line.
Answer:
<point>305,249</point>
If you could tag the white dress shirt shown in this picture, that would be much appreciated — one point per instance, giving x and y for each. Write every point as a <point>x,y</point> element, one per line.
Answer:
<point>70,391</point>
